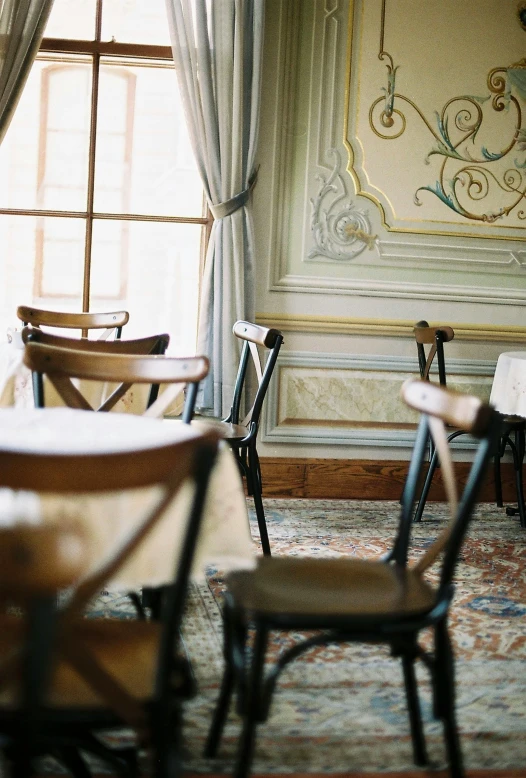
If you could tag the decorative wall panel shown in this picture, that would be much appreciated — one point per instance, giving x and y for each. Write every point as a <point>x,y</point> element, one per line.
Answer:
<point>437,130</point>
<point>354,399</point>
<point>335,204</point>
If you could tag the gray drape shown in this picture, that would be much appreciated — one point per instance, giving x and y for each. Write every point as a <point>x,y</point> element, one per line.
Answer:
<point>217,49</point>
<point>22,24</point>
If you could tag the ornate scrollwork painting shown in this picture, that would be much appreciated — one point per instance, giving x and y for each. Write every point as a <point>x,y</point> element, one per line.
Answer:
<point>438,138</point>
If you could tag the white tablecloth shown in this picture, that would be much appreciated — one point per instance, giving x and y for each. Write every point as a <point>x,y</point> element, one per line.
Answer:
<point>225,538</point>
<point>508,392</point>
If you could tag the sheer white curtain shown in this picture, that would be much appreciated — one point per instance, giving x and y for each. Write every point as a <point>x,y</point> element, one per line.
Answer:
<point>22,24</point>
<point>217,48</point>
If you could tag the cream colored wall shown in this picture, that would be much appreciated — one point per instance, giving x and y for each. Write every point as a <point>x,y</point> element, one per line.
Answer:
<point>347,309</point>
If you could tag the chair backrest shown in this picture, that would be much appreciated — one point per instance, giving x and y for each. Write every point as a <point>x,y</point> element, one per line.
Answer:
<point>152,344</point>
<point>110,321</point>
<point>183,455</point>
<point>434,337</point>
<point>440,407</point>
<point>63,365</point>
<point>253,336</point>
<point>36,563</point>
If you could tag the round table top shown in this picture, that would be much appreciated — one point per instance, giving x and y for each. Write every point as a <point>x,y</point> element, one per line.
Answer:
<point>69,431</point>
<point>508,391</point>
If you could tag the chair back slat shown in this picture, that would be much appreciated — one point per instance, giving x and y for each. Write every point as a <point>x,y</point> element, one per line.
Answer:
<point>152,344</point>
<point>79,321</point>
<point>262,336</point>
<point>69,393</point>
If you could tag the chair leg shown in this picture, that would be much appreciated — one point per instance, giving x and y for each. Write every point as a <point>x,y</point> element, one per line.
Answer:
<point>231,633</point>
<point>415,717</point>
<point>252,704</point>
<point>498,479</point>
<point>254,476</point>
<point>445,689</point>
<point>167,761</point>
<point>425,489</point>
<point>519,445</point>
<point>517,449</point>
<point>152,597</point>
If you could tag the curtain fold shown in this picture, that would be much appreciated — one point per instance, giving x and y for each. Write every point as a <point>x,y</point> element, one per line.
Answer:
<point>217,49</point>
<point>22,25</point>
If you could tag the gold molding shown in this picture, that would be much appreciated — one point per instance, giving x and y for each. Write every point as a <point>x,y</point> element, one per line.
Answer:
<point>393,328</point>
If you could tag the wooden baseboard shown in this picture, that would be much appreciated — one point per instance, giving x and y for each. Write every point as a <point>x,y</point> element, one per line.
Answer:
<point>361,479</point>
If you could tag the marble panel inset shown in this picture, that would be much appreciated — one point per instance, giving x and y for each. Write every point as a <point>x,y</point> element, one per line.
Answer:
<point>311,396</point>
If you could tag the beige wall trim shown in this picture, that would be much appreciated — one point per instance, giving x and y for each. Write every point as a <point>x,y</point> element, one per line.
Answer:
<point>396,328</point>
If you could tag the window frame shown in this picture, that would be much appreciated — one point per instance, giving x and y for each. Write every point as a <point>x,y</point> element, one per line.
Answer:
<point>96,50</point>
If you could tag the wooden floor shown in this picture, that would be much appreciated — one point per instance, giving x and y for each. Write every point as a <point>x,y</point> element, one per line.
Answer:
<point>360,479</point>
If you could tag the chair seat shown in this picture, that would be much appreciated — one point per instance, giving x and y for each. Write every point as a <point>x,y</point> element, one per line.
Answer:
<point>331,587</point>
<point>228,431</point>
<point>127,649</point>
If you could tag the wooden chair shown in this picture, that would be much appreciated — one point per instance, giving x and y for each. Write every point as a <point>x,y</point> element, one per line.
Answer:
<point>79,676</point>
<point>434,338</point>
<point>110,322</point>
<point>152,344</point>
<point>36,563</point>
<point>348,599</point>
<point>241,430</point>
<point>63,365</point>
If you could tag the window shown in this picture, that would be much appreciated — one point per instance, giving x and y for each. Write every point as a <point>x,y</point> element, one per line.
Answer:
<point>101,203</point>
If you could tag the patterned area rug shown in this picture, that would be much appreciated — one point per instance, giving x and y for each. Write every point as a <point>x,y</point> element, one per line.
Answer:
<point>342,709</point>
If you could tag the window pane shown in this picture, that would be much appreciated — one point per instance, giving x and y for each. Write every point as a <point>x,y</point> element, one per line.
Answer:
<point>145,163</point>
<point>135,21</point>
<point>72,19</point>
<point>156,265</point>
<point>44,156</point>
<point>60,259</point>
<point>42,257</point>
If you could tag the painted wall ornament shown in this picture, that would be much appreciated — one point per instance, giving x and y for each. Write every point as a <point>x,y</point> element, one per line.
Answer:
<point>475,180</point>
<point>340,230</point>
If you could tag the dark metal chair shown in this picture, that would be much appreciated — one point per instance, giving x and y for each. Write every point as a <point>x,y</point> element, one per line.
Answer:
<point>105,673</point>
<point>241,430</point>
<point>513,428</point>
<point>114,364</point>
<point>348,599</point>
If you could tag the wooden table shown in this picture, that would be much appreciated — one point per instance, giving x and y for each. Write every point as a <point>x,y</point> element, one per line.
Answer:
<point>225,536</point>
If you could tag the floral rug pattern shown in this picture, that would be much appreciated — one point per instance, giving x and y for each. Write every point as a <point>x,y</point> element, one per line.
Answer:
<point>342,708</point>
